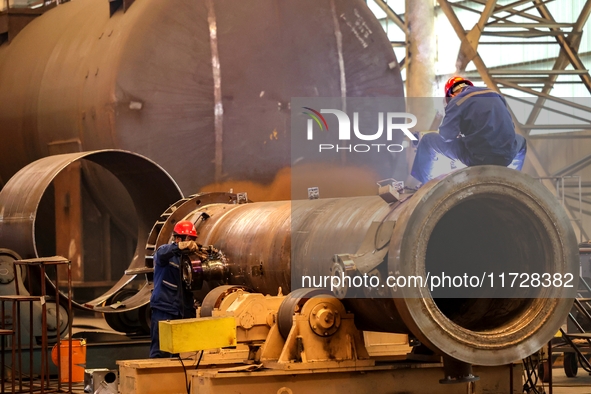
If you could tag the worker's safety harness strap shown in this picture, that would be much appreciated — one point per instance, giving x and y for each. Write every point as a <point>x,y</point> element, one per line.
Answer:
<point>466,97</point>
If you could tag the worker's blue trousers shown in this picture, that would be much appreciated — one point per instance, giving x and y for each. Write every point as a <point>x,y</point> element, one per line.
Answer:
<point>433,143</point>
<point>158,315</point>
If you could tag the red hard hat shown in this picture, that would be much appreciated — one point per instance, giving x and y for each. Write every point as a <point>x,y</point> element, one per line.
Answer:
<point>453,81</point>
<point>185,227</point>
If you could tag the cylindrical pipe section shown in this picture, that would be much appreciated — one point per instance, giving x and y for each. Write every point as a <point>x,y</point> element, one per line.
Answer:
<point>499,220</point>
<point>23,223</point>
<point>497,215</point>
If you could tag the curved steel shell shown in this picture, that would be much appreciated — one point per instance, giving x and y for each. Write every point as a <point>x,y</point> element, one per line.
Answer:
<point>199,87</point>
<point>151,189</point>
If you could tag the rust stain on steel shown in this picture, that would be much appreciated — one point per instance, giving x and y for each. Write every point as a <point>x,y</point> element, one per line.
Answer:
<point>218,111</point>
<point>333,181</point>
<point>339,40</point>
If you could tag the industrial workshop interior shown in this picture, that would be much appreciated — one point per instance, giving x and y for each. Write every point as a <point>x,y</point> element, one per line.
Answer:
<point>295,196</point>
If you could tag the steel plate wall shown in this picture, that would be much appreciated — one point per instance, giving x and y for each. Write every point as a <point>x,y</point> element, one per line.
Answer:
<point>146,81</point>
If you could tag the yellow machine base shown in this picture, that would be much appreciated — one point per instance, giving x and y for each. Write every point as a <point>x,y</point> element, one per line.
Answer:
<point>167,377</point>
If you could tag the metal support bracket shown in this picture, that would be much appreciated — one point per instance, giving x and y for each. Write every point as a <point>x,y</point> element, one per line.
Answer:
<point>372,251</point>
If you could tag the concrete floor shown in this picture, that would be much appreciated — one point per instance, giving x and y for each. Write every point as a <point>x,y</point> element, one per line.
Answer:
<point>563,385</point>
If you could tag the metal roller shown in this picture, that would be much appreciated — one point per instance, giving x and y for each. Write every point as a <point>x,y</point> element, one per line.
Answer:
<point>8,288</point>
<point>293,303</point>
<point>214,298</point>
<point>7,257</point>
<point>487,214</point>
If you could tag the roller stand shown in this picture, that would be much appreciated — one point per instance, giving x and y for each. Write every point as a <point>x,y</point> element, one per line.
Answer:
<point>322,335</point>
<point>457,371</point>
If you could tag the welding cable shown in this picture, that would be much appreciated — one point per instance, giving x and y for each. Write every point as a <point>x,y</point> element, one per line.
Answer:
<point>526,384</point>
<point>199,361</point>
<point>535,371</point>
<point>187,384</point>
<point>530,370</point>
<point>534,368</point>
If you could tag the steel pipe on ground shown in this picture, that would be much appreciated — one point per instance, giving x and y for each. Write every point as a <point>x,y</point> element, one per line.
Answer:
<point>498,217</point>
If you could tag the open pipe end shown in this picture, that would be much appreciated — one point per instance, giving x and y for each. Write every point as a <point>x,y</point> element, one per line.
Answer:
<point>482,221</point>
<point>27,206</point>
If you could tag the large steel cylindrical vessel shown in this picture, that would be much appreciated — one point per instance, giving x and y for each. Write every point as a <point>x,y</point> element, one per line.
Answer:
<point>200,87</point>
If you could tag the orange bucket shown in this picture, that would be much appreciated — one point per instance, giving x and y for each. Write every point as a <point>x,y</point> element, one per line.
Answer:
<point>78,359</point>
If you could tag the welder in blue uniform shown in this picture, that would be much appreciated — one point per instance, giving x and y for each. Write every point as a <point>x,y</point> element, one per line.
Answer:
<point>170,301</point>
<point>477,130</point>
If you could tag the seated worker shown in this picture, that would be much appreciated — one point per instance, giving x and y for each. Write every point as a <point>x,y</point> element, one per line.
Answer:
<point>169,300</point>
<point>477,130</point>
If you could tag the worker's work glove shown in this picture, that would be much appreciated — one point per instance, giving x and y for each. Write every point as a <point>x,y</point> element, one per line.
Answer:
<point>188,245</point>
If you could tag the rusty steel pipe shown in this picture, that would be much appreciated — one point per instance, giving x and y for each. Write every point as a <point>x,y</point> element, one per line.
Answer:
<point>520,221</point>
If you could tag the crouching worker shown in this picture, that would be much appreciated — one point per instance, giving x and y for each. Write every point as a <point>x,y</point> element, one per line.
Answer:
<point>477,130</point>
<point>170,301</point>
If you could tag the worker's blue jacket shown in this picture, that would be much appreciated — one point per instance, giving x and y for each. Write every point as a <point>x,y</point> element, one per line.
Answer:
<point>480,117</point>
<point>168,294</point>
